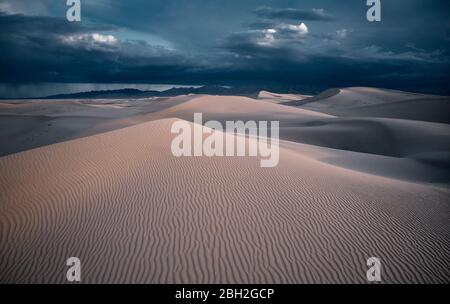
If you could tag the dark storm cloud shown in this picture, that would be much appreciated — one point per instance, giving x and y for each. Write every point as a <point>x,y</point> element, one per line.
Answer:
<point>291,53</point>
<point>52,49</point>
<point>228,42</point>
<point>293,14</point>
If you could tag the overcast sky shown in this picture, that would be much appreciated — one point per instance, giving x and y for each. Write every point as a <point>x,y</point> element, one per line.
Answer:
<point>314,44</point>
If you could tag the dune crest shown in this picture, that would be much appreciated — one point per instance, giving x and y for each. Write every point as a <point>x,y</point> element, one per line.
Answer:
<point>281,98</point>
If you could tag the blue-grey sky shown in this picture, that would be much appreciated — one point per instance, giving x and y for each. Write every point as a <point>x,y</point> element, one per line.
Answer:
<point>306,44</point>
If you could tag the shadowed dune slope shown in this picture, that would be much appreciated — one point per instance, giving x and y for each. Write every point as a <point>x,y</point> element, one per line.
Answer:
<point>371,102</point>
<point>382,136</point>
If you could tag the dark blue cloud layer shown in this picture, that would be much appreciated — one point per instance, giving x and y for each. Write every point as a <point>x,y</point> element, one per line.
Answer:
<point>293,14</point>
<point>251,43</point>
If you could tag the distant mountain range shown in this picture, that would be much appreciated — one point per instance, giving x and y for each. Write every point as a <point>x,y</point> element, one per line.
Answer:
<point>135,93</point>
<point>250,91</point>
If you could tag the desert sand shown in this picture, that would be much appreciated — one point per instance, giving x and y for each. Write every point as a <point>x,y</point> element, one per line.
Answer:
<point>281,98</point>
<point>96,179</point>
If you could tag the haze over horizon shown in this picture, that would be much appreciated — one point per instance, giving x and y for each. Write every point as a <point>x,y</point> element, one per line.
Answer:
<point>308,44</point>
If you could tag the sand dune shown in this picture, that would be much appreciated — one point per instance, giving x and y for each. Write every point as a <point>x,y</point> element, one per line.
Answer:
<point>435,109</point>
<point>280,98</point>
<point>379,136</point>
<point>223,108</point>
<point>383,136</point>
<point>371,102</point>
<point>30,124</point>
<point>97,180</point>
<point>359,96</point>
<point>134,213</point>
<point>430,168</point>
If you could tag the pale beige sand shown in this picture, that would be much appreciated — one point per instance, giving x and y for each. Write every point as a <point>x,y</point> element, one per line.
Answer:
<point>372,102</point>
<point>346,188</point>
<point>280,98</point>
<point>422,147</point>
<point>134,213</point>
<point>223,108</point>
<point>27,124</point>
<point>360,96</point>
